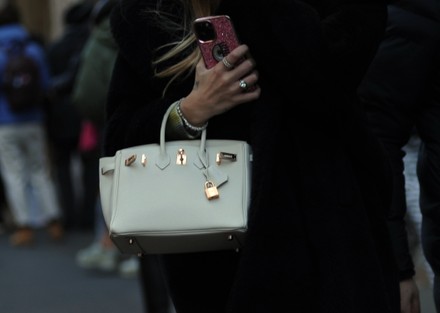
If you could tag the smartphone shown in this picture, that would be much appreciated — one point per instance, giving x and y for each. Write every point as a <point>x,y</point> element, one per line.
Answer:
<point>216,37</point>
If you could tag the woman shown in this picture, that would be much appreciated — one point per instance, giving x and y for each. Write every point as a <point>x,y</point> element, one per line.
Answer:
<point>317,239</point>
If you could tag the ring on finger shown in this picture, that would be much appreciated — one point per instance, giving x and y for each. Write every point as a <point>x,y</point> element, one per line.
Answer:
<point>243,85</point>
<point>226,63</point>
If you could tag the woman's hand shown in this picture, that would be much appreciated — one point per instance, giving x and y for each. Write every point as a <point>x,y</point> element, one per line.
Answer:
<point>409,296</point>
<point>222,87</point>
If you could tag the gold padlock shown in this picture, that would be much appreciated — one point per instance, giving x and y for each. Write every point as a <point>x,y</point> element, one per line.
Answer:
<point>211,190</point>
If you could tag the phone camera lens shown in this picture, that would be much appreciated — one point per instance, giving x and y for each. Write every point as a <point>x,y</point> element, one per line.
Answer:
<point>204,31</point>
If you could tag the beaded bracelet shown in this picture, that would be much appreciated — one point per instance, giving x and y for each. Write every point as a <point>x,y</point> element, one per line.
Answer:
<point>185,121</point>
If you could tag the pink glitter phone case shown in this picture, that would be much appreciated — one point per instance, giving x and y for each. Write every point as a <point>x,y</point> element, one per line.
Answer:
<point>216,38</point>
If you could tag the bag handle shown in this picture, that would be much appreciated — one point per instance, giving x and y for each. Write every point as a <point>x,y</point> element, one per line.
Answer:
<point>164,158</point>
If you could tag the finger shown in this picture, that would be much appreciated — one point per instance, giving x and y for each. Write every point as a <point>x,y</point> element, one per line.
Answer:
<point>250,95</point>
<point>237,55</point>
<point>248,82</point>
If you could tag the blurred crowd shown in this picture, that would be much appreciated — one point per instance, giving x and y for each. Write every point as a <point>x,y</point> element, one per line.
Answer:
<point>50,152</point>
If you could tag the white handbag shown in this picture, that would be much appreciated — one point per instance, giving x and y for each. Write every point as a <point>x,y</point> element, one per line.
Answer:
<point>177,196</point>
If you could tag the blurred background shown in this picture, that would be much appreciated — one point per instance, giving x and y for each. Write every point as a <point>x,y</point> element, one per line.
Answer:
<point>44,17</point>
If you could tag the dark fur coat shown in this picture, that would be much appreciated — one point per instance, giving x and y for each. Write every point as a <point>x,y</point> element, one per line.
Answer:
<point>317,238</point>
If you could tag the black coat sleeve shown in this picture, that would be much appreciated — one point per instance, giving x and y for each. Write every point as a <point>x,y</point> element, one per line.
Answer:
<point>315,45</point>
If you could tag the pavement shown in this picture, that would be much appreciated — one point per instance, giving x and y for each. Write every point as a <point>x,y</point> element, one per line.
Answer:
<point>44,278</point>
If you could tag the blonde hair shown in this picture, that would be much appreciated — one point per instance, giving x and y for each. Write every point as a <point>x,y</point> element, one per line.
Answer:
<point>192,10</point>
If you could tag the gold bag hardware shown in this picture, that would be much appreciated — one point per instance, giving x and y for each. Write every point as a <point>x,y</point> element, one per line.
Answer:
<point>181,157</point>
<point>144,160</point>
<point>225,156</point>
<point>130,160</point>
<point>211,190</point>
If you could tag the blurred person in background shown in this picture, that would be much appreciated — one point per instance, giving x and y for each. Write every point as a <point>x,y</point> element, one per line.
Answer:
<point>24,157</point>
<point>89,96</point>
<point>401,94</point>
<point>65,124</point>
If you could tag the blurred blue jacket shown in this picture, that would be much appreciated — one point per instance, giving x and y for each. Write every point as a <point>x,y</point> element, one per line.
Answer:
<point>8,34</point>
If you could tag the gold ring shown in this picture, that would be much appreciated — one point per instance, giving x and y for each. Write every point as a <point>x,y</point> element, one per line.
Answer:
<point>226,63</point>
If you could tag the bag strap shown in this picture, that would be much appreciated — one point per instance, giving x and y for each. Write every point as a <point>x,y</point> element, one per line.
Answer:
<point>164,158</point>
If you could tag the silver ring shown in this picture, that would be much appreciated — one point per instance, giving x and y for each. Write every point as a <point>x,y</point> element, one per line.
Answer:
<point>226,63</point>
<point>243,85</point>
